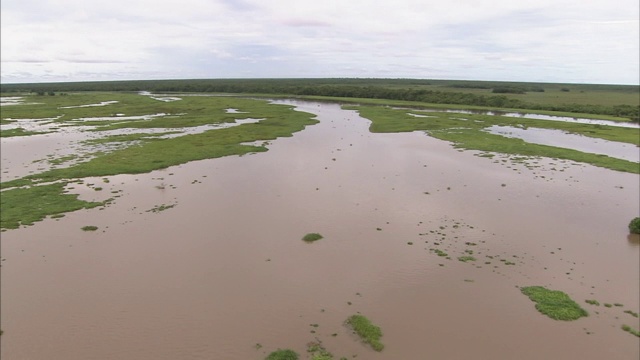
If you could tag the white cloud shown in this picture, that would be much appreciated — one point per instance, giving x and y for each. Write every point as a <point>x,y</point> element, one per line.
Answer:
<point>544,40</point>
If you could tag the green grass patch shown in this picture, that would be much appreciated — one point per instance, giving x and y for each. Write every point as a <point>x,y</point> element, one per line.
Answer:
<point>89,228</point>
<point>311,237</point>
<point>631,330</point>
<point>283,354</point>
<point>632,313</point>
<point>554,303</point>
<point>368,332</point>
<point>25,206</point>
<point>592,302</point>
<point>466,258</point>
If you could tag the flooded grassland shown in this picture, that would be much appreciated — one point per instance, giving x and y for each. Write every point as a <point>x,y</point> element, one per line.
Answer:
<point>201,257</point>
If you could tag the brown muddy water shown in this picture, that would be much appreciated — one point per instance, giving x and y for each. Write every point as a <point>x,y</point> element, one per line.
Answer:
<point>225,268</point>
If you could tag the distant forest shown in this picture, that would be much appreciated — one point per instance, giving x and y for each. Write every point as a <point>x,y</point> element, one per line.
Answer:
<point>428,91</point>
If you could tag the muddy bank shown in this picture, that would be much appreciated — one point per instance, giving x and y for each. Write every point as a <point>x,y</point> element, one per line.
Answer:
<point>225,269</point>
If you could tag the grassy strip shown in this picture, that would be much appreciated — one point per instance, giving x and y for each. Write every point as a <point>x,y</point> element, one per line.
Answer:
<point>469,134</point>
<point>26,206</point>
<point>426,106</point>
<point>631,330</point>
<point>555,304</point>
<point>368,332</point>
<point>20,132</point>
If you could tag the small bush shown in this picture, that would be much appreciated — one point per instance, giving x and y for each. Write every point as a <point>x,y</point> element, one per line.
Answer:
<point>311,237</point>
<point>285,354</point>
<point>634,226</point>
<point>89,228</point>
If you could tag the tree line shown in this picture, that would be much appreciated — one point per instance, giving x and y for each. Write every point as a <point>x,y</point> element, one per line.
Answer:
<point>399,89</point>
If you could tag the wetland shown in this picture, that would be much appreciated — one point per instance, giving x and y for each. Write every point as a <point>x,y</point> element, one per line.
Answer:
<point>193,247</point>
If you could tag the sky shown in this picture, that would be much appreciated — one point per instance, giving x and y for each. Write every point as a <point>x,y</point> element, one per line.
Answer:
<point>567,41</point>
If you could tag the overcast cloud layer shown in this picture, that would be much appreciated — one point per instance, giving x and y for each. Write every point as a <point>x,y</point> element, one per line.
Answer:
<point>595,41</point>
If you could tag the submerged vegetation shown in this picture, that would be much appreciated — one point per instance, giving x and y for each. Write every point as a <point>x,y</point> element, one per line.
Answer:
<point>555,304</point>
<point>368,332</point>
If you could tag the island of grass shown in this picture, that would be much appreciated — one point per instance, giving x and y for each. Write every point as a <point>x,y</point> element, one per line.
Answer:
<point>553,303</point>
<point>368,332</point>
<point>283,354</point>
<point>89,228</point>
<point>311,237</point>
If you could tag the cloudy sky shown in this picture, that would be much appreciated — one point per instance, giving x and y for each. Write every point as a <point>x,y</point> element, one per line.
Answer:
<point>593,41</point>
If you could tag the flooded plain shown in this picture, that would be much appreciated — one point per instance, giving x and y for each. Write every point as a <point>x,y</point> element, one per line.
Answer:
<point>222,273</point>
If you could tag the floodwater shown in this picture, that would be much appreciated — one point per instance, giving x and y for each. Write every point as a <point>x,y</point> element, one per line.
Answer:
<point>563,139</point>
<point>628,124</point>
<point>225,269</point>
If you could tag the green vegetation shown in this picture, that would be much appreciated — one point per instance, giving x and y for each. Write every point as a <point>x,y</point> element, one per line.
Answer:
<point>634,226</point>
<point>368,332</point>
<point>283,354</point>
<point>468,131</point>
<point>466,258</point>
<point>160,208</point>
<point>89,228</point>
<point>555,304</point>
<point>615,100</point>
<point>592,302</point>
<point>318,352</point>
<point>311,237</point>
<point>138,152</point>
<point>631,330</point>
<point>25,206</point>
<point>632,313</point>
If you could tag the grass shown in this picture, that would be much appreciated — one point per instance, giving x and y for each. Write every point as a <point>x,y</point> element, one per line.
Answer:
<point>311,237</point>
<point>592,302</point>
<point>139,153</point>
<point>466,258</point>
<point>470,134</point>
<point>89,228</point>
<point>631,330</point>
<point>555,304</point>
<point>283,354</point>
<point>318,352</point>
<point>368,332</point>
<point>25,206</point>
<point>632,313</point>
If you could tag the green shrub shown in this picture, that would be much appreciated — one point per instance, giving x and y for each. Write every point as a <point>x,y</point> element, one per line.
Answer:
<point>634,226</point>
<point>89,228</point>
